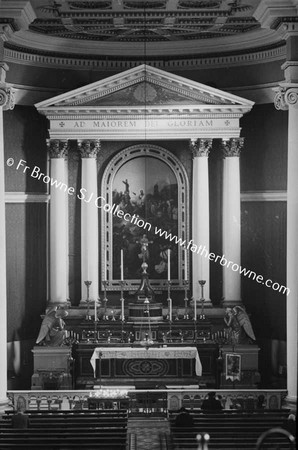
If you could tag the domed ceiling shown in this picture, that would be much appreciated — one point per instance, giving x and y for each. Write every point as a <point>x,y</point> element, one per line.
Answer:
<point>143,27</point>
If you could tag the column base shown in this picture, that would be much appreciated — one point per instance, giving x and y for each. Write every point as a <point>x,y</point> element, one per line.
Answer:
<point>4,404</point>
<point>291,403</point>
<point>231,303</point>
<point>84,303</point>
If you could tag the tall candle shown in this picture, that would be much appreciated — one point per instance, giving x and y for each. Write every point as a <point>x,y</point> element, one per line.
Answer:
<point>95,310</point>
<point>121,265</point>
<point>122,309</point>
<point>170,309</point>
<point>195,309</point>
<point>185,265</point>
<point>169,265</point>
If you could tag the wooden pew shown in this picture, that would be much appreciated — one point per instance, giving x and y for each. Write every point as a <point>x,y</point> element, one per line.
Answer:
<point>227,430</point>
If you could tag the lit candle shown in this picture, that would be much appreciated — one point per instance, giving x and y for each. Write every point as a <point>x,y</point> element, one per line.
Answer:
<point>195,308</point>
<point>185,265</point>
<point>169,265</point>
<point>121,265</point>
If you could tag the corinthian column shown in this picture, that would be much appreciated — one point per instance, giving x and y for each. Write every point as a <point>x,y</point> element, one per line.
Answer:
<point>89,218</point>
<point>287,98</point>
<point>6,102</point>
<point>231,241</point>
<point>58,223</point>
<point>200,218</point>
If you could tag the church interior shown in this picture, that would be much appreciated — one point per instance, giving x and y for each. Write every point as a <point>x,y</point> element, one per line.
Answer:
<point>149,203</point>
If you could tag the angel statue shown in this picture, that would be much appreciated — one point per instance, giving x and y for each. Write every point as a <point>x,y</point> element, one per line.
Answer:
<point>239,326</point>
<point>52,331</point>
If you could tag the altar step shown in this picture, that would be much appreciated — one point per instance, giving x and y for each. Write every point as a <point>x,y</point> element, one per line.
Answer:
<point>149,433</point>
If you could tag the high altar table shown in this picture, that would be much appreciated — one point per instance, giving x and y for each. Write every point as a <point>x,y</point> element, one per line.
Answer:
<point>154,362</point>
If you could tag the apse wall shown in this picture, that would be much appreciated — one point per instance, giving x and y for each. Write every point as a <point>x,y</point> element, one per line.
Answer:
<point>263,168</point>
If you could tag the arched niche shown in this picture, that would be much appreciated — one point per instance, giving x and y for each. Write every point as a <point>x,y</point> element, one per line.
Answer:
<point>150,186</point>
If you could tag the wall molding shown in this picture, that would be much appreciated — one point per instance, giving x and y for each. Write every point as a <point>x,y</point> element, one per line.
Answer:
<point>26,197</point>
<point>25,56</point>
<point>264,196</point>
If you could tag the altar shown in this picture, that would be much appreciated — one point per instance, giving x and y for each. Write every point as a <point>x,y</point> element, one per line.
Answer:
<point>146,367</point>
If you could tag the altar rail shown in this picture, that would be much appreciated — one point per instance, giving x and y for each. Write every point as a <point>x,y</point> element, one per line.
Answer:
<point>155,402</point>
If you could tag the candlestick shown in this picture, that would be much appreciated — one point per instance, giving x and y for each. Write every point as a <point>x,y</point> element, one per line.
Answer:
<point>88,284</point>
<point>169,265</point>
<point>185,299</point>
<point>195,308</point>
<point>105,300</point>
<point>121,264</point>
<point>122,284</point>
<point>185,265</point>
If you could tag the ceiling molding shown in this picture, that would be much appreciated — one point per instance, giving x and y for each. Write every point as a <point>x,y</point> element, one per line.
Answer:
<point>24,56</point>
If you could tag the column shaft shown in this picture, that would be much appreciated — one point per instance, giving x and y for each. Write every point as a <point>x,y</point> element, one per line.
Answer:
<point>89,219</point>
<point>200,218</point>
<point>231,222</point>
<point>58,225</point>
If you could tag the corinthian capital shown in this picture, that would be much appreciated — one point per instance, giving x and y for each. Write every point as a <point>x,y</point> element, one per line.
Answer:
<point>57,148</point>
<point>89,148</point>
<point>286,96</point>
<point>200,147</point>
<point>7,97</point>
<point>232,147</point>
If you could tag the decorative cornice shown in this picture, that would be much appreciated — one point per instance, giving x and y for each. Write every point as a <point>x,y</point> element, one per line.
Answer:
<point>232,147</point>
<point>22,55</point>
<point>7,97</point>
<point>200,147</point>
<point>89,148</point>
<point>57,148</point>
<point>286,95</point>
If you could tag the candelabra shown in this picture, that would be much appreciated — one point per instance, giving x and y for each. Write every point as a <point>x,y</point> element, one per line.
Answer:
<point>185,316</point>
<point>202,300</point>
<point>88,284</point>
<point>105,300</point>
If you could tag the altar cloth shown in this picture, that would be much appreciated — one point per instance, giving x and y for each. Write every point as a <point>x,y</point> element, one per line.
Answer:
<point>151,353</point>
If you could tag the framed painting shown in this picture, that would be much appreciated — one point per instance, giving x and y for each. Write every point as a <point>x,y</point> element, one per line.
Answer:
<point>146,188</point>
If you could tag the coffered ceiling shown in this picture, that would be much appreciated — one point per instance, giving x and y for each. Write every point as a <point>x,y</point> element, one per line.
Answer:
<point>138,28</point>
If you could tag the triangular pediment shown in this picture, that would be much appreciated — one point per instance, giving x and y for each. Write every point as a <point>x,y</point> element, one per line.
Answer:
<point>143,86</point>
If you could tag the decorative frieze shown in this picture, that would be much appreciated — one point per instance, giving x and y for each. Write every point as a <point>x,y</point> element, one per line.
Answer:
<point>286,96</point>
<point>57,148</point>
<point>89,148</point>
<point>232,147</point>
<point>200,147</point>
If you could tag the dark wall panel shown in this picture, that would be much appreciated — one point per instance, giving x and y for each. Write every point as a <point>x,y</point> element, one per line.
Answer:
<point>25,132</point>
<point>26,268</point>
<point>264,252</point>
<point>263,161</point>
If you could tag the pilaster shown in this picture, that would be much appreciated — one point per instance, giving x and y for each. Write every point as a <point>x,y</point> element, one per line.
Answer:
<point>6,102</point>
